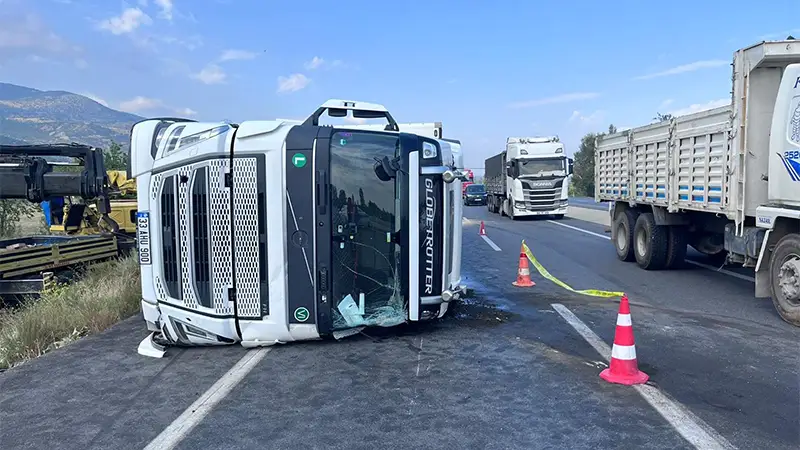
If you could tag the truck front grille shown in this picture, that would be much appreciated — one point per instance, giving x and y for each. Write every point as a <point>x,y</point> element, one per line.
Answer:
<point>202,262</point>
<point>541,199</point>
<point>169,242</point>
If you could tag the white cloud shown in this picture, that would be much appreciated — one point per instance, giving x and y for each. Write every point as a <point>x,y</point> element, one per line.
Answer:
<point>211,74</point>
<point>81,63</point>
<point>186,112</point>
<point>697,107</point>
<point>234,55</point>
<point>355,120</point>
<point>95,98</point>
<point>166,9</point>
<point>30,34</point>
<point>685,68</point>
<point>292,83</point>
<point>320,63</point>
<point>665,104</point>
<point>564,98</point>
<point>593,118</point>
<point>127,22</point>
<point>140,103</point>
<point>315,63</point>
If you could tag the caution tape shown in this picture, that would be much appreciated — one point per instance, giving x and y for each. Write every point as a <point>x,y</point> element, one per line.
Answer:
<point>544,273</point>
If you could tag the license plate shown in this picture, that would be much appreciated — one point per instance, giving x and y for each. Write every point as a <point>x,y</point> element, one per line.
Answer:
<point>143,237</point>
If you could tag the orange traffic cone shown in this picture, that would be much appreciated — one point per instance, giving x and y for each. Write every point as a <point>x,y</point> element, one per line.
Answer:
<point>624,368</point>
<point>482,231</point>
<point>523,273</point>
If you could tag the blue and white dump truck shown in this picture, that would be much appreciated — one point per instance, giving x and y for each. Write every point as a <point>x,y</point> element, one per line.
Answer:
<point>529,178</point>
<point>269,232</point>
<point>725,181</point>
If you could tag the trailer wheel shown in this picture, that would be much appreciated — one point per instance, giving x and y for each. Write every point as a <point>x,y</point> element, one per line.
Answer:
<point>650,242</point>
<point>676,246</point>
<point>784,273</point>
<point>623,239</point>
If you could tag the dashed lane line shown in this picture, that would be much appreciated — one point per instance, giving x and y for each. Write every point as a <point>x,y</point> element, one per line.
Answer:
<point>695,263</point>
<point>692,428</point>
<point>491,243</point>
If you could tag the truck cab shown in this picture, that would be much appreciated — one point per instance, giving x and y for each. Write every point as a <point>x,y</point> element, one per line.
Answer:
<point>537,177</point>
<point>267,232</point>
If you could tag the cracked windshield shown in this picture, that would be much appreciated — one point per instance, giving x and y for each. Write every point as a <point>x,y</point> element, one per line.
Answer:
<point>439,225</point>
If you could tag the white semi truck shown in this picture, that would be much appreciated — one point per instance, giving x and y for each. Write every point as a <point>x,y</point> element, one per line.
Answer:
<point>725,181</point>
<point>529,178</point>
<point>268,232</point>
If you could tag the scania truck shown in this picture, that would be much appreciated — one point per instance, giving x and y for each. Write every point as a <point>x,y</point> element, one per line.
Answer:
<point>269,232</point>
<point>529,178</point>
<point>725,181</point>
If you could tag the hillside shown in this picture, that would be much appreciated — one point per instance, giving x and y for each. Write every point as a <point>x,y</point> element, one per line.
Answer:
<point>40,117</point>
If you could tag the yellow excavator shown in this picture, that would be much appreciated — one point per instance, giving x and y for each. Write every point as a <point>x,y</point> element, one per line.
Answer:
<point>78,218</point>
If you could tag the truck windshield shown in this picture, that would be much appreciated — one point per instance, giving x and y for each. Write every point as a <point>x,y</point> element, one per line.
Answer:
<point>367,222</point>
<point>540,167</point>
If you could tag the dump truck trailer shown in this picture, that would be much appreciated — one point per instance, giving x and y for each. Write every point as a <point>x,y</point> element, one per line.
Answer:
<point>725,181</point>
<point>269,232</point>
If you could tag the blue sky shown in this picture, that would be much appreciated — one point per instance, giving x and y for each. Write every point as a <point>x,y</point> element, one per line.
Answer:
<point>487,70</point>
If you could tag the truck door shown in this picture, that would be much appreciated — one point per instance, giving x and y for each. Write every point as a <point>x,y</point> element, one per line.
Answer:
<point>369,229</point>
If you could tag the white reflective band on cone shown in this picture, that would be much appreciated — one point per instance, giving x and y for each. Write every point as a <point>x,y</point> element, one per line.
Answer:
<point>624,320</point>
<point>624,352</point>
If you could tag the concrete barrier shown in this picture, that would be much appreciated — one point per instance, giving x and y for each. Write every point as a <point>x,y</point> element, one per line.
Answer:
<point>589,215</point>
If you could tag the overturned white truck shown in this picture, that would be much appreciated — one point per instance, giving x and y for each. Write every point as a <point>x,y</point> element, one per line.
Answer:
<point>275,231</point>
<point>725,181</point>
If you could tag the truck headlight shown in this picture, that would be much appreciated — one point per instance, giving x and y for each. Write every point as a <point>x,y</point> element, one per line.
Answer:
<point>428,150</point>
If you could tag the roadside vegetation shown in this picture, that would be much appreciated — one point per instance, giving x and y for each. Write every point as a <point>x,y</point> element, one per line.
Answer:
<point>102,296</point>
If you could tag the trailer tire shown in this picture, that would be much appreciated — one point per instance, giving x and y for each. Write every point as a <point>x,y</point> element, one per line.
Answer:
<point>558,216</point>
<point>623,240</point>
<point>676,247</point>
<point>784,274</point>
<point>650,242</point>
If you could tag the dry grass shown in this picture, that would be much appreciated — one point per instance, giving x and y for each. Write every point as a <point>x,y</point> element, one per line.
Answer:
<point>104,295</point>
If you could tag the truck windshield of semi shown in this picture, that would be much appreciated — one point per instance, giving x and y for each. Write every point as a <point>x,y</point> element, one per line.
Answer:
<point>275,231</point>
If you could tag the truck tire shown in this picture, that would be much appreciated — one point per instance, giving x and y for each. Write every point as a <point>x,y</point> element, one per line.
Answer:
<point>784,274</point>
<point>676,247</point>
<point>623,240</point>
<point>558,216</point>
<point>650,242</point>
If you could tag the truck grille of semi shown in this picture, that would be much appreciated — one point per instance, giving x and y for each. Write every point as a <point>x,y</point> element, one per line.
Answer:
<point>197,239</point>
<point>541,199</point>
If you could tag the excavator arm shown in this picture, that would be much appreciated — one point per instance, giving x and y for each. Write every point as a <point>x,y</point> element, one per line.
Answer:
<point>26,174</point>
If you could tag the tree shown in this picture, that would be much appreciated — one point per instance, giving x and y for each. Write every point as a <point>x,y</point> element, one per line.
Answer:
<point>11,213</point>
<point>583,175</point>
<point>114,158</point>
<point>662,117</point>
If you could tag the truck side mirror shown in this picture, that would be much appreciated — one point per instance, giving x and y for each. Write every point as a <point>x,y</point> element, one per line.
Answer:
<point>570,167</point>
<point>510,169</point>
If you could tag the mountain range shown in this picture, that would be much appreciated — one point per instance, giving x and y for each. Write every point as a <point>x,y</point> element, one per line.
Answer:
<point>31,116</point>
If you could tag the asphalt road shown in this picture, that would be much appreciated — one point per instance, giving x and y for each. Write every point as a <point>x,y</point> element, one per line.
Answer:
<point>503,370</point>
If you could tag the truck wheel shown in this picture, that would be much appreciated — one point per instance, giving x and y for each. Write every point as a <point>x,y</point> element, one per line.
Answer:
<point>558,216</point>
<point>676,246</point>
<point>623,240</point>
<point>650,242</point>
<point>784,274</point>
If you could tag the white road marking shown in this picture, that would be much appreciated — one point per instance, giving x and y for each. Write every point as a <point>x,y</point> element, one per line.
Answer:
<point>197,411</point>
<point>695,263</point>
<point>692,428</point>
<point>491,244</point>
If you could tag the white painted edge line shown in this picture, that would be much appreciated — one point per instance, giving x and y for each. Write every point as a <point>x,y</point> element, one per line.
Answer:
<point>491,243</point>
<point>689,426</point>
<point>695,263</point>
<point>197,411</point>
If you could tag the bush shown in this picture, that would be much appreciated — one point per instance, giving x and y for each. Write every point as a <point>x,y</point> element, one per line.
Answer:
<point>107,293</point>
